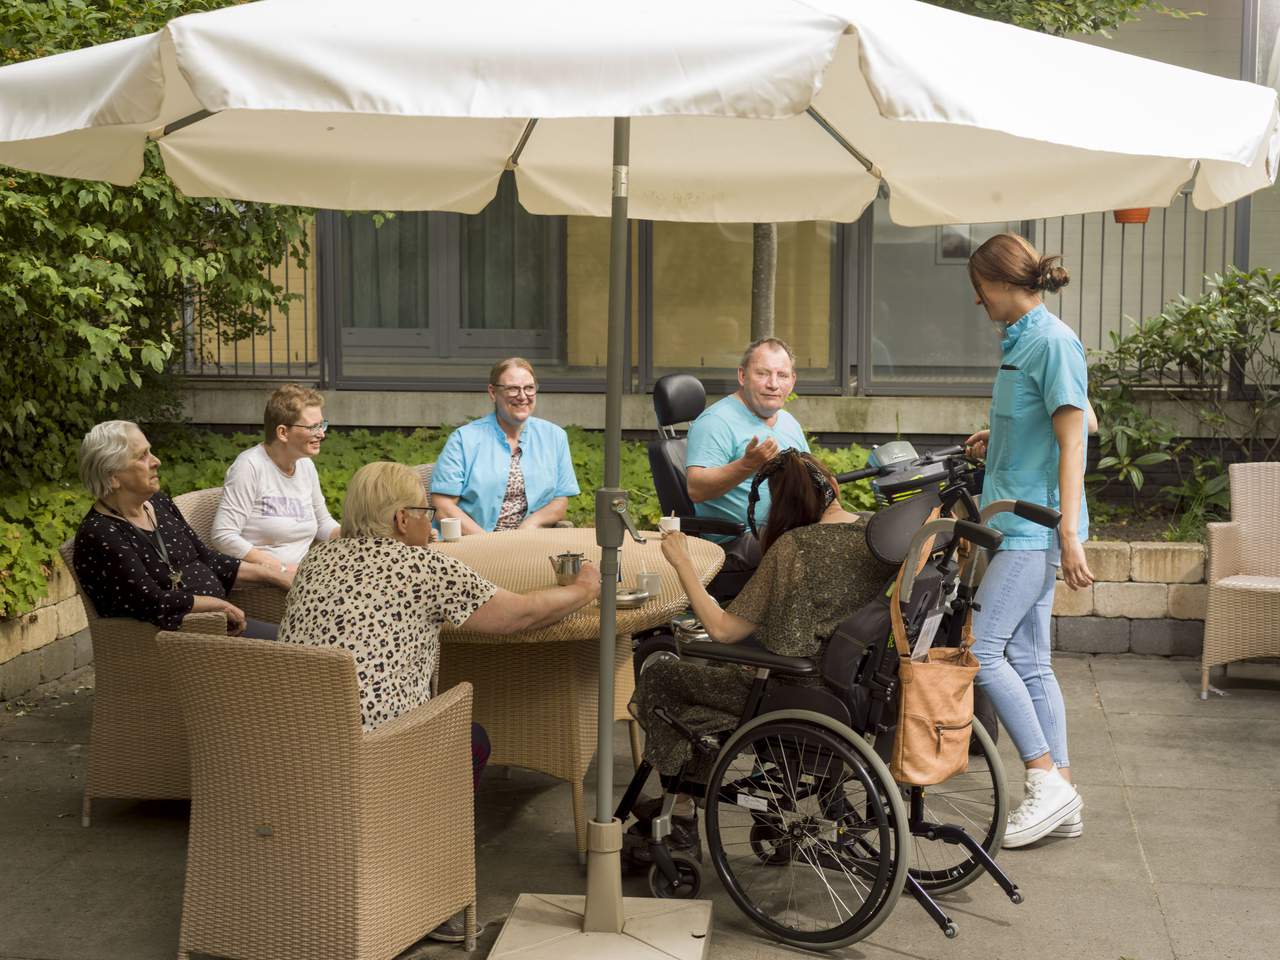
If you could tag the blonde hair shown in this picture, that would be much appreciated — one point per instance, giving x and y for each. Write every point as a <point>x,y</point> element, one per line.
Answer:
<point>502,366</point>
<point>285,406</point>
<point>104,451</point>
<point>374,495</point>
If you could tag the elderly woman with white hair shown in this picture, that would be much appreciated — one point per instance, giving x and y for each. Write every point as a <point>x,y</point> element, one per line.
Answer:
<point>380,592</point>
<point>135,554</point>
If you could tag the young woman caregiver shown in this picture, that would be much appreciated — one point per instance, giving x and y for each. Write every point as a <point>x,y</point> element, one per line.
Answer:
<point>1035,450</point>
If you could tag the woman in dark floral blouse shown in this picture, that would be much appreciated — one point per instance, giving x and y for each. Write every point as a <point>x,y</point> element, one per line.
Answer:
<point>137,557</point>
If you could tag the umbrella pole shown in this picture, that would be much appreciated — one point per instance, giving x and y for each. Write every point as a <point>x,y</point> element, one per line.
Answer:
<point>566,927</point>
<point>603,912</point>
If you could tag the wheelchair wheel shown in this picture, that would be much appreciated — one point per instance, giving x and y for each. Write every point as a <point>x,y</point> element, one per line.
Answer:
<point>656,646</point>
<point>976,800</point>
<point>690,872</point>
<point>806,830</point>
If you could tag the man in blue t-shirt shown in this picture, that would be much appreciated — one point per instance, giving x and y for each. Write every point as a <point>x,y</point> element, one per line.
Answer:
<point>734,437</point>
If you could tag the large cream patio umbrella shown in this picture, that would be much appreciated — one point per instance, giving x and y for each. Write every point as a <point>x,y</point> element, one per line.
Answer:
<point>697,110</point>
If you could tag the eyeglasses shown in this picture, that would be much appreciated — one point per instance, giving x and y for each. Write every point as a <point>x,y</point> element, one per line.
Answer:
<point>315,429</point>
<point>429,511</point>
<point>512,392</point>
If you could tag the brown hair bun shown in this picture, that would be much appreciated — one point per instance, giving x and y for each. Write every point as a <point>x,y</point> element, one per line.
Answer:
<point>1051,275</point>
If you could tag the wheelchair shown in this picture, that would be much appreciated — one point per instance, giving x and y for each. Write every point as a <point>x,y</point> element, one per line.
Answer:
<point>805,827</point>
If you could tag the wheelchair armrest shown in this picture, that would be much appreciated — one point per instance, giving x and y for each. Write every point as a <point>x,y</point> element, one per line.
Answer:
<point>702,526</point>
<point>750,655</point>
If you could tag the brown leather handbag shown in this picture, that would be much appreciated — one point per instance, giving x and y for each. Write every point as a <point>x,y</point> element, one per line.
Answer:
<point>935,706</point>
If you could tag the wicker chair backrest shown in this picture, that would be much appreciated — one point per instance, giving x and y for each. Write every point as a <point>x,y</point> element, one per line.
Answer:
<point>1255,506</point>
<point>198,508</point>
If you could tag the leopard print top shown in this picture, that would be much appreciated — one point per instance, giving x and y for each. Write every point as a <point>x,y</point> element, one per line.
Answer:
<point>384,601</point>
<point>514,502</point>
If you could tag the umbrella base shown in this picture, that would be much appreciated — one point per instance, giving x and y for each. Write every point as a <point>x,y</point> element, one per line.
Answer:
<point>549,927</point>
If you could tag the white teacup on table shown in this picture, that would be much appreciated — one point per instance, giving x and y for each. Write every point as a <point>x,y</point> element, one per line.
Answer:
<point>650,583</point>
<point>450,529</point>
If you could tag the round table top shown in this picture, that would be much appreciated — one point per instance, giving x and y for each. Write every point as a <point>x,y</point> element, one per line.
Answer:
<point>518,560</point>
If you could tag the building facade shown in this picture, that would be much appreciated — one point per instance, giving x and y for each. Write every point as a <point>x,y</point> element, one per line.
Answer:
<point>424,302</point>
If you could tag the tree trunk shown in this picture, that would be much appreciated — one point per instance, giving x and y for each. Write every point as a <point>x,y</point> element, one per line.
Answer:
<point>764,268</point>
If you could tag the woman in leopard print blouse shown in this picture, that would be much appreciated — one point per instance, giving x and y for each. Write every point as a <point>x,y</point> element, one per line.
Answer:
<point>379,591</point>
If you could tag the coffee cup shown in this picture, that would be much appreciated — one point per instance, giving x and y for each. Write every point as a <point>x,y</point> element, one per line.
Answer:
<point>669,524</point>
<point>450,529</point>
<point>650,583</point>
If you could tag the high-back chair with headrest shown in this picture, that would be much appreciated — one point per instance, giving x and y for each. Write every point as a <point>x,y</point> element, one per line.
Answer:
<point>679,398</point>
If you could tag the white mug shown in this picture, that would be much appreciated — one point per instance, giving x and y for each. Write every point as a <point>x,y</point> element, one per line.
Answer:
<point>650,583</point>
<point>669,524</point>
<point>450,529</point>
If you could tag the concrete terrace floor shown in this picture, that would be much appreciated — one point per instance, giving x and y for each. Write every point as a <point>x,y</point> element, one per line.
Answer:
<point>1180,857</point>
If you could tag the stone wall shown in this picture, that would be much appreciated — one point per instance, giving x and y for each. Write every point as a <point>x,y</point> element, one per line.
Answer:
<point>1147,598</point>
<point>46,643</point>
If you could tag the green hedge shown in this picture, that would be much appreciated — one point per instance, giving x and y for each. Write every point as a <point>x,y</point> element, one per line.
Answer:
<point>34,524</point>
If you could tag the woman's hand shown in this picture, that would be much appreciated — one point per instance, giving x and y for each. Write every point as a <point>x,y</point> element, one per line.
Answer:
<point>1075,568</point>
<point>235,618</point>
<point>675,547</point>
<point>976,445</point>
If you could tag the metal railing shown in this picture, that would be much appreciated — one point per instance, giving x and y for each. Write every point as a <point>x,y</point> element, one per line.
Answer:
<point>1124,273</point>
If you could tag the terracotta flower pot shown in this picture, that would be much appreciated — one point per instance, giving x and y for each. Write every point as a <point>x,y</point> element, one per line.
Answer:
<point>1132,215</point>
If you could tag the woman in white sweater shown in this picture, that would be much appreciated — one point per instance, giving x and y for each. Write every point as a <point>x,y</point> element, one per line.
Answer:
<point>272,508</point>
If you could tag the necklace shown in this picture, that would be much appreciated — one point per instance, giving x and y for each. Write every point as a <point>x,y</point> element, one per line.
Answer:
<point>154,538</point>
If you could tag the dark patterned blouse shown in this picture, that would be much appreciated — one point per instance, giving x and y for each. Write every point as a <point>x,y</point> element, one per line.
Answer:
<point>385,602</point>
<point>122,571</point>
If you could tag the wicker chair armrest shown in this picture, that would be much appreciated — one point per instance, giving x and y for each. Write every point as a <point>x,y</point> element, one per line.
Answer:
<point>401,733</point>
<point>214,623</point>
<point>417,806</point>
<point>1223,553</point>
<point>260,601</point>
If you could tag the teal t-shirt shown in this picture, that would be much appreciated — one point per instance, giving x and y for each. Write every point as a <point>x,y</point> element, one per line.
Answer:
<point>1042,369</point>
<point>719,436</point>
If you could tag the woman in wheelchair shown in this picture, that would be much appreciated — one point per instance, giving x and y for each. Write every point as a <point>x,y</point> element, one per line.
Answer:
<point>816,571</point>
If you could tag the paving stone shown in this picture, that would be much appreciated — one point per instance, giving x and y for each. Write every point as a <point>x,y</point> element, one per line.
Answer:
<point>1167,562</point>
<point>1093,634</point>
<point>1132,600</point>
<point>41,629</point>
<point>71,618</point>
<point>84,648</point>
<point>1188,601</point>
<point>1072,603</point>
<point>19,675</point>
<point>1108,559</point>
<point>1167,638</point>
<point>57,659</point>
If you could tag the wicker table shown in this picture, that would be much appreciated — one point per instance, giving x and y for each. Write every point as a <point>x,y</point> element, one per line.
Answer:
<point>535,692</point>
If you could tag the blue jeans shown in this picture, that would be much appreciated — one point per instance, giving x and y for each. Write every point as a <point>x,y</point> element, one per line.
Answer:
<point>1011,642</point>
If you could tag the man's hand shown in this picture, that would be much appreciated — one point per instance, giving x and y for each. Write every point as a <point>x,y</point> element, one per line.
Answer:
<point>589,577</point>
<point>976,445</point>
<point>758,454</point>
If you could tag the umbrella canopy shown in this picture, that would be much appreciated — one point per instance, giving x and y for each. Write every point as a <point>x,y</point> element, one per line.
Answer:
<point>406,105</point>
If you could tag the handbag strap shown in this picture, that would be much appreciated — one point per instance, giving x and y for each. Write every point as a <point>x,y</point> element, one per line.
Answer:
<point>895,606</point>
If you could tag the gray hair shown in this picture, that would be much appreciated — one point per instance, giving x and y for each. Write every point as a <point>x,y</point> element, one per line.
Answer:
<point>104,451</point>
<point>775,342</point>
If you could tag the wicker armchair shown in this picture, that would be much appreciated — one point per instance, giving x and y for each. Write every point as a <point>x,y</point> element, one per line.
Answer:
<point>1243,618</point>
<point>310,838</point>
<point>137,741</point>
<point>262,602</point>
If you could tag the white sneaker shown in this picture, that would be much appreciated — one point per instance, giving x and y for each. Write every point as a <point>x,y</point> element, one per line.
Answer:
<point>1050,801</point>
<point>1073,826</point>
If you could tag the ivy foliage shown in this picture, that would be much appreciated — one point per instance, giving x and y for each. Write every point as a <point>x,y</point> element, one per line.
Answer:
<point>1062,19</point>
<point>35,522</point>
<point>94,279</point>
